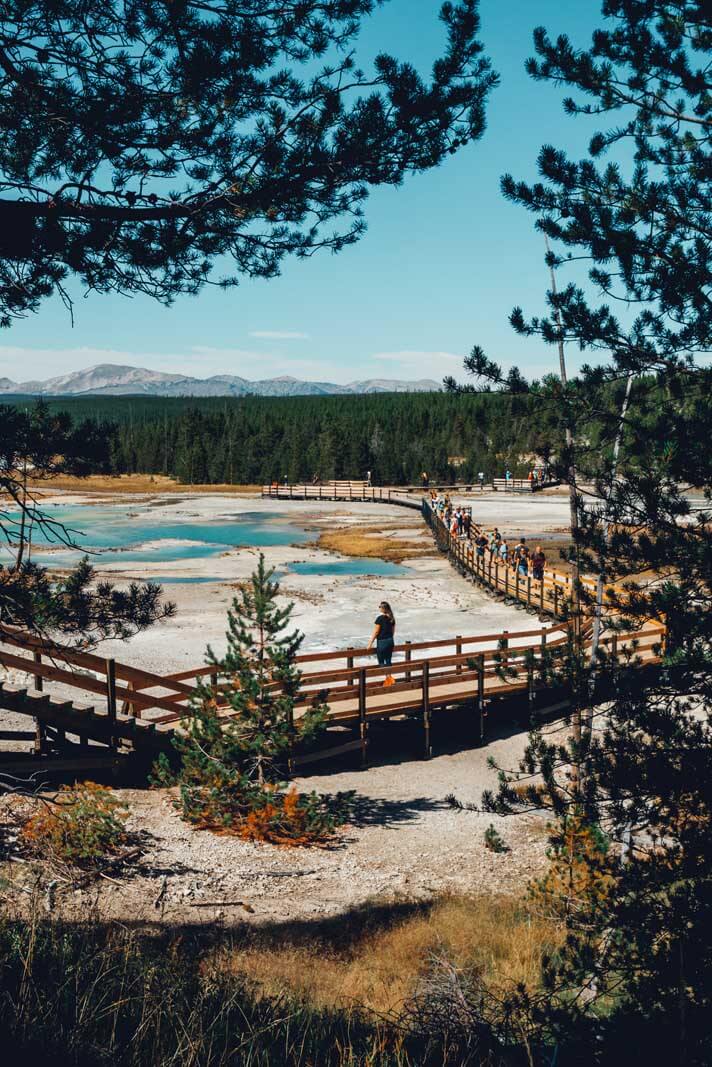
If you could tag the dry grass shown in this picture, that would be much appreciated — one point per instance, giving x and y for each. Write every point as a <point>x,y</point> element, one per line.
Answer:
<point>137,483</point>
<point>374,542</point>
<point>379,967</point>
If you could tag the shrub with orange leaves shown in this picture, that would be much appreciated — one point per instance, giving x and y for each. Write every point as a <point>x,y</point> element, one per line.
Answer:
<point>83,825</point>
<point>290,818</point>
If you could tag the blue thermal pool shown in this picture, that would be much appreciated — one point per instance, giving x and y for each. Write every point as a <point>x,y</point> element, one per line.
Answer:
<point>141,534</point>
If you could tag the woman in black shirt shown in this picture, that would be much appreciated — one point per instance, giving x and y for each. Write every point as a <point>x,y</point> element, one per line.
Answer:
<point>383,634</point>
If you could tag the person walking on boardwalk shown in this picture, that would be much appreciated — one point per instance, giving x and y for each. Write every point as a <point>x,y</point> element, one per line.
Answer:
<point>538,564</point>
<point>383,634</point>
<point>425,479</point>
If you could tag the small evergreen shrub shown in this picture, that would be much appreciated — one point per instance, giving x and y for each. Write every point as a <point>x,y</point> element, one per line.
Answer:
<point>494,840</point>
<point>235,750</point>
<point>84,825</point>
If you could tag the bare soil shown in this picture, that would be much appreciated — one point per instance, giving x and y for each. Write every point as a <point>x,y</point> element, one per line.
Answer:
<point>405,842</point>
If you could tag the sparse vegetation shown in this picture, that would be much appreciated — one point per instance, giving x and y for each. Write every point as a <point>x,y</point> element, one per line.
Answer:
<point>82,825</point>
<point>494,840</point>
<point>374,957</point>
<point>374,542</point>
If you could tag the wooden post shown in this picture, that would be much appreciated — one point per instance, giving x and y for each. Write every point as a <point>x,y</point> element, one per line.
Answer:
<point>496,575</point>
<point>127,707</point>
<point>39,680</point>
<point>481,695</point>
<point>111,699</point>
<point>426,711</point>
<point>350,667</point>
<point>362,721</point>
<point>516,583</point>
<point>505,647</point>
<point>292,741</point>
<point>458,652</point>
<point>529,590</point>
<point>542,654</point>
<point>556,599</point>
<point>40,733</point>
<point>541,594</point>
<point>506,581</point>
<point>614,648</point>
<point>408,657</point>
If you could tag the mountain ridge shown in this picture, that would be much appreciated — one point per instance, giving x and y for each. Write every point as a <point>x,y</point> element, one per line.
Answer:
<point>111,379</point>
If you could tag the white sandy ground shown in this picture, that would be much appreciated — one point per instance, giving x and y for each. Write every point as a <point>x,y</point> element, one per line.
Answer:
<point>405,841</point>
<point>333,611</point>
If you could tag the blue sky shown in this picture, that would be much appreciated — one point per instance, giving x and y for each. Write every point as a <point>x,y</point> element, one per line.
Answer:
<point>443,262</point>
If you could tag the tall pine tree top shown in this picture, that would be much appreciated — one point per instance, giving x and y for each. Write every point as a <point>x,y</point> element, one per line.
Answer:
<point>140,140</point>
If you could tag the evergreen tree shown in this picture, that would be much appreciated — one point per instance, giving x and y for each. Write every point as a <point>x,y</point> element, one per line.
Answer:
<point>636,968</point>
<point>140,142</point>
<point>235,750</point>
<point>36,445</point>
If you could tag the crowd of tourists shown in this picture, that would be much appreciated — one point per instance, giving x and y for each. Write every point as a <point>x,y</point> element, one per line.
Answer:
<point>520,557</point>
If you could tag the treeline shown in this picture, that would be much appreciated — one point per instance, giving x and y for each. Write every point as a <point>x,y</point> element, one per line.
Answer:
<point>260,439</point>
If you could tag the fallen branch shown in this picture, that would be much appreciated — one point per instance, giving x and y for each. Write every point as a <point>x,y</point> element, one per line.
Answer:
<point>111,864</point>
<point>221,904</point>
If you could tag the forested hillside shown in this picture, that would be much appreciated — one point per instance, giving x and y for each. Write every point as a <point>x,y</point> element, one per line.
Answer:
<point>256,440</point>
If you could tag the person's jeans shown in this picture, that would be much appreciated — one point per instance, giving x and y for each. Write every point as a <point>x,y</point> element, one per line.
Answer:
<point>384,651</point>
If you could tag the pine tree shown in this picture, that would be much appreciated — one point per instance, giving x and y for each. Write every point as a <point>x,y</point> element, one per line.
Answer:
<point>37,445</point>
<point>141,143</point>
<point>636,967</point>
<point>242,730</point>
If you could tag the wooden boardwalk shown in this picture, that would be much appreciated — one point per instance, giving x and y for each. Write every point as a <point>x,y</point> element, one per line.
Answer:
<point>101,708</point>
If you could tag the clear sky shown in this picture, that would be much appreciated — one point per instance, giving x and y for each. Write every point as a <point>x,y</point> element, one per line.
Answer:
<point>443,262</point>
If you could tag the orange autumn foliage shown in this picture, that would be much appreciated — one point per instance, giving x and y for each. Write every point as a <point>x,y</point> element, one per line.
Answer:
<point>83,825</point>
<point>283,821</point>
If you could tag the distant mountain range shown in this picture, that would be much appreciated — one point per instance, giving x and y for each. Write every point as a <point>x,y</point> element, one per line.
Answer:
<point>108,379</point>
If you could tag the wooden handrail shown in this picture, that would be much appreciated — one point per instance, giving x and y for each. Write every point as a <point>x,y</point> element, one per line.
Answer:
<point>437,676</point>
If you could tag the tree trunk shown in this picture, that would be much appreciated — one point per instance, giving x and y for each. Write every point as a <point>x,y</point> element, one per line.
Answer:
<point>573,523</point>
<point>598,609</point>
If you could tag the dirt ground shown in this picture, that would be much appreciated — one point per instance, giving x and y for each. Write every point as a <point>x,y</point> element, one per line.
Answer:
<point>405,842</point>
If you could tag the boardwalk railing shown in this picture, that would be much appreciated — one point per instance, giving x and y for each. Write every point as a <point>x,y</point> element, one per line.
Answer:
<point>470,672</point>
<point>482,670</point>
<point>521,485</point>
<point>552,594</point>
<point>360,490</point>
<point>341,491</point>
<point>139,709</point>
